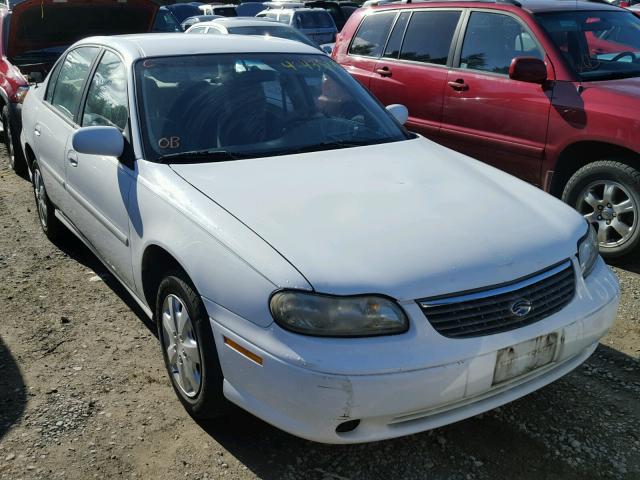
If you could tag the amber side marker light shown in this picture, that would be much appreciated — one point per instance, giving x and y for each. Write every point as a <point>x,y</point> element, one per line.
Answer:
<point>243,351</point>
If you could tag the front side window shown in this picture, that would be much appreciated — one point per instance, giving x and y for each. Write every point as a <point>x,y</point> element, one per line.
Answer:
<point>254,105</point>
<point>492,40</point>
<point>597,45</point>
<point>372,35</point>
<point>429,35</point>
<point>107,97</point>
<point>67,92</point>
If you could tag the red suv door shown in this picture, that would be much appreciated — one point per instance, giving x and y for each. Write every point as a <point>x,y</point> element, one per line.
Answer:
<point>486,114</point>
<point>367,46</point>
<point>413,69</point>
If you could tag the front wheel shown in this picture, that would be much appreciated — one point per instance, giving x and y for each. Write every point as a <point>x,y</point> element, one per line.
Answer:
<point>607,193</point>
<point>188,348</point>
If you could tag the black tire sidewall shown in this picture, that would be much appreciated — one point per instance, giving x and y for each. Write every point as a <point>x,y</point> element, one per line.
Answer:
<point>210,401</point>
<point>607,170</point>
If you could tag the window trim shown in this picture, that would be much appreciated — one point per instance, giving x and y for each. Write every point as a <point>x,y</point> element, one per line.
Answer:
<point>452,46</point>
<point>85,94</point>
<point>463,31</point>
<point>74,120</point>
<point>393,23</point>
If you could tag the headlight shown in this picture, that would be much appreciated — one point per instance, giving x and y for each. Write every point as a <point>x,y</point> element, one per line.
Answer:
<point>588,251</point>
<point>330,316</point>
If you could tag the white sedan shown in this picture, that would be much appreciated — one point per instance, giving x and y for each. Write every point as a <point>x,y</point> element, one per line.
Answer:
<point>304,256</point>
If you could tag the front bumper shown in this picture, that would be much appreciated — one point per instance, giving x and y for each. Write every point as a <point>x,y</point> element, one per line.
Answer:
<point>300,397</point>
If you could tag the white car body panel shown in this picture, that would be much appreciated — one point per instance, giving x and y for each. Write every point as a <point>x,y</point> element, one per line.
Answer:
<point>408,219</point>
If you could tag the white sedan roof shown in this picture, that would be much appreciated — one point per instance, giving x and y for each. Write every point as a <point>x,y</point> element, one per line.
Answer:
<point>133,47</point>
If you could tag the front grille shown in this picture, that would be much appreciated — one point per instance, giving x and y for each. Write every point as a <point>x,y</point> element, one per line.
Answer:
<point>490,311</point>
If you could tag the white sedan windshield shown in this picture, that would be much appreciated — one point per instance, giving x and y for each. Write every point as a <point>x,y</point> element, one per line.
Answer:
<point>253,105</point>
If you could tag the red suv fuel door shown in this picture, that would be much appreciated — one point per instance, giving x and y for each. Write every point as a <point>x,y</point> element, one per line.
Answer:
<point>487,115</point>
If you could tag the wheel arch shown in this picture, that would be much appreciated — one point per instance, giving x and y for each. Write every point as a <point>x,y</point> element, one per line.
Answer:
<point>157,261</point>
<point>29,156</point>
<point>579,154</point>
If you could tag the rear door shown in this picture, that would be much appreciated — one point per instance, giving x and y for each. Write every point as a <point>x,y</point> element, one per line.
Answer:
<point>99,186</point>
<point>367,45</point>
<point>413,68</point>
<point>56,120</point>
<point>486,114</point>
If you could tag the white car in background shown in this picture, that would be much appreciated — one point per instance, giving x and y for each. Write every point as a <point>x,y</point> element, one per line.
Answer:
<point>304,256</point>
<point>250,26</point>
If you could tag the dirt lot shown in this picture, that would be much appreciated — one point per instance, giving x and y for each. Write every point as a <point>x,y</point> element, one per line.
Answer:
<point>83,393</point>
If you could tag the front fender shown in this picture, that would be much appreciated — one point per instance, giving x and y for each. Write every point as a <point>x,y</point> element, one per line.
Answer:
<point>226,261</point>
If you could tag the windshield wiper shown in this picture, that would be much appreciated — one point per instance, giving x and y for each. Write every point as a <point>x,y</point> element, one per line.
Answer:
<point>200,156</point>
<point>317,147</point>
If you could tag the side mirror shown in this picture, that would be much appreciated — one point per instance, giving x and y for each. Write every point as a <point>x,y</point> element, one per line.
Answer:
<point>399,112</point>
<point>107,141</point>
<point>528,69</point>
<point>327,48</point>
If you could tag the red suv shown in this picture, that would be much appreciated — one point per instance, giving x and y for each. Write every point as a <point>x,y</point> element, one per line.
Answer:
<point>33,34</point>
<point>546,90</point>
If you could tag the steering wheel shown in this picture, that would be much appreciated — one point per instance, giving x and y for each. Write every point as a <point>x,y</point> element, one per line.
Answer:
<point>624,54</point>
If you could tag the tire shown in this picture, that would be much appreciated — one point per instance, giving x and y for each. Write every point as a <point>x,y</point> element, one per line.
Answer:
<point>205,400</point>
<point>12,146</point>
<point>51,226</point>
<point>607,193</point>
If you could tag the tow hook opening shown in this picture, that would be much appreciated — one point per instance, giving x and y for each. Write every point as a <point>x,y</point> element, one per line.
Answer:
<point>348,426</point>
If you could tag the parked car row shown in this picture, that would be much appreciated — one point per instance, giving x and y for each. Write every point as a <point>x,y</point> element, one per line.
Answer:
<point>548,91</point>
<point>303,255</point>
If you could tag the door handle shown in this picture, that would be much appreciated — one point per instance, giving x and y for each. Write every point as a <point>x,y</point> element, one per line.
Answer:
<point>73,159</point>
<point>383,71</point>
<point>36,131</point>
<point>458,85</point>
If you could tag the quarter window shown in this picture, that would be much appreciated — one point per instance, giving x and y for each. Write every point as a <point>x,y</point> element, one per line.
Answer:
<point>71,80</point>
<point>372,35</point>
<point>493,40</point>
<point>429,35</point>
<point>107,98</point>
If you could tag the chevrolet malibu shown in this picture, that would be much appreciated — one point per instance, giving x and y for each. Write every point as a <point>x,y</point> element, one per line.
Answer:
<point>303,255</point>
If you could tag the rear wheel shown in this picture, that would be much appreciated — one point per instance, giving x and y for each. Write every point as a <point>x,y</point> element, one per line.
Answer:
<point>188,348</point>
<point>12,146</point>
<point>607,193</point>
<point>51,226</point>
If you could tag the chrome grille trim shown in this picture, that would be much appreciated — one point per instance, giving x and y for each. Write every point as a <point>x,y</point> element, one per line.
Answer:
<point>488,311</point>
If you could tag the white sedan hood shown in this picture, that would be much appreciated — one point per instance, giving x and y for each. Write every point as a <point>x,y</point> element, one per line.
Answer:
<point>409,219</point>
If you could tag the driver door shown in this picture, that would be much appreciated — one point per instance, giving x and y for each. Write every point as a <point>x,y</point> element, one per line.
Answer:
<point>99,186</point>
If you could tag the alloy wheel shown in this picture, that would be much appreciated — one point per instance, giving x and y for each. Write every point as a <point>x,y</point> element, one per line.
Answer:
<point>41,198</point>
<point>609,206</point>
<point>181,345</point>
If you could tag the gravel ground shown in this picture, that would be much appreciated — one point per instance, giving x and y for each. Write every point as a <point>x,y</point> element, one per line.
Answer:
<point>83,393</point>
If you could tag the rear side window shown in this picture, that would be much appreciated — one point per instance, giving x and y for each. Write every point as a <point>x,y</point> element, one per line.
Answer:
<point>493,40</point>
<point>372,35</point>
<point>429,35</point>
<point>70,83</point>
<point>107,97</point>
<point>283,18</point>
